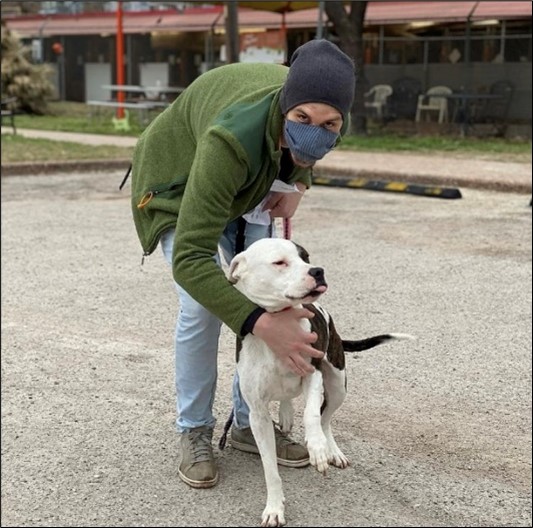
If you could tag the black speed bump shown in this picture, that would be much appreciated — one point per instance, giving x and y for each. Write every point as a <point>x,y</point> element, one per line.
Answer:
<point>390,186</point>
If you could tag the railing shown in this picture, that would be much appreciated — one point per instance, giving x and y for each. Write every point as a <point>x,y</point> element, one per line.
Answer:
<point>430,60</point>
<point>450,49</point>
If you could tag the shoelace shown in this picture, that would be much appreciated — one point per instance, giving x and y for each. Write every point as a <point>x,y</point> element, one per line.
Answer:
<point>200,446</point>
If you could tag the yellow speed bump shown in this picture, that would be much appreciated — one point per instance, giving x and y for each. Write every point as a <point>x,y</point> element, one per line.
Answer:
<point>390,186</point>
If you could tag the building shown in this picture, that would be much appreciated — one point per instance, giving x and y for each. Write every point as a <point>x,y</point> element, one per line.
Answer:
<point>460,44</point>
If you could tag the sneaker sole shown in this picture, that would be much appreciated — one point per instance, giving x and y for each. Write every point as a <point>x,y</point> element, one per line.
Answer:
<point>198,483</point>
<point>247,448</point>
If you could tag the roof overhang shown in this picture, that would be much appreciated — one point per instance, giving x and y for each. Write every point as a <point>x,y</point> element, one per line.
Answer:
<point>211,18</point>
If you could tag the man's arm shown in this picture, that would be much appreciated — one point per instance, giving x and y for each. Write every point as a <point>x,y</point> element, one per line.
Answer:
<point>283,334</point>
<point>284,204</point>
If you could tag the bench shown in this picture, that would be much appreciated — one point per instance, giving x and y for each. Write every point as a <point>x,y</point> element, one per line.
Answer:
<point>143,107</point>
<point>8,111</point>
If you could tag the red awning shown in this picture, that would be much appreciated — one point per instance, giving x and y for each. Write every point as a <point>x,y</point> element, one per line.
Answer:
<point>502,10</point>
<point>136,22</point>
<point>203,19</point>
<point>387,13</point>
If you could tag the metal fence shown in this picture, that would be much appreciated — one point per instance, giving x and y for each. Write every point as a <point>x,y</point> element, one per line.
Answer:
<point>401,50</point>
<point>460,62</point>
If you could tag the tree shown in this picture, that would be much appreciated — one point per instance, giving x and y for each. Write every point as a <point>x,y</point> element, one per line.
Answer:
<point>28,82</point>
<point>349,29</point>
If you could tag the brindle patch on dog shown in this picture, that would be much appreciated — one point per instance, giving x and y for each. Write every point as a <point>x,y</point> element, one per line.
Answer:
<point>328,341</point>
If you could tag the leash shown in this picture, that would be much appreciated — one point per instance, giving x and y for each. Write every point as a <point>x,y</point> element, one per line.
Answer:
<point>240,241</point>
<point>287,228</point>
<point>125,177</point>
<point>227,425</point>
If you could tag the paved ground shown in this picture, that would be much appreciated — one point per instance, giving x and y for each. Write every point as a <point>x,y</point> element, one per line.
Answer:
<point>421,169</point>
<point>438,430</point>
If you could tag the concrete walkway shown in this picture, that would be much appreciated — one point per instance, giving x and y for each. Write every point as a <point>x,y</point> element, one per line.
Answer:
<point>397,167</point>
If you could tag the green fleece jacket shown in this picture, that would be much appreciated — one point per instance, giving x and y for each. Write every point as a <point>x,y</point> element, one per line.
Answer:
<point>209,158</point>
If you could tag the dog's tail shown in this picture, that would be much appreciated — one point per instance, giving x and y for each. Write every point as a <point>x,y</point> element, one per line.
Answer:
<point>371,342</point>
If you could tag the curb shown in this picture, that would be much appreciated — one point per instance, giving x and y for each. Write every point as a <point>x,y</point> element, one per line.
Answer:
<point>37,168</point>
<point>390,186</point>
<point>337,176</point>
<point>44,168</point>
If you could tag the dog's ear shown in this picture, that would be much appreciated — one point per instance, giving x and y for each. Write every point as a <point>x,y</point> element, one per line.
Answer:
<point>236,267</point>
<point>302,253</point>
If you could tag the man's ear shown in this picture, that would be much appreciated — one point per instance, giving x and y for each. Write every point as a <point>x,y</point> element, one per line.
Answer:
<point>236,268</point>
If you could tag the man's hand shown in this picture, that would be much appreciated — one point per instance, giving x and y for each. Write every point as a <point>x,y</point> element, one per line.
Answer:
<point>283,334</point>
<point>284,204</point>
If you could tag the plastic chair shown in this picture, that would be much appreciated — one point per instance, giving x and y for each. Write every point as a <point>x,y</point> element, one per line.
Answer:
<point>379,94</point>
<point>430,104</point>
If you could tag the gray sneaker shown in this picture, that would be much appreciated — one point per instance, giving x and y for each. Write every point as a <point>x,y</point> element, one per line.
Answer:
<point>289,453</point>
<point>197,467</point>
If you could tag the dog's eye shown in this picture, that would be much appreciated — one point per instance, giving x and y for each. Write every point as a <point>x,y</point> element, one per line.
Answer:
<point>280,263</point>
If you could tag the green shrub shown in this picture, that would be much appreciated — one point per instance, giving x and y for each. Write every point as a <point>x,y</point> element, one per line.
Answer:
<point>22,79</point>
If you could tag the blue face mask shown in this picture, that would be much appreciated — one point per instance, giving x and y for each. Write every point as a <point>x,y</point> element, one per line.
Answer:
<point>308,143</point>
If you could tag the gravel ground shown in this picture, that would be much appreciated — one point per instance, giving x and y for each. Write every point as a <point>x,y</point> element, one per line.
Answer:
<point>438,430</point>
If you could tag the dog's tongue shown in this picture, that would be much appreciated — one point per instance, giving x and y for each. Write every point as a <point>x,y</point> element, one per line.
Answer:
<point>321,289</point>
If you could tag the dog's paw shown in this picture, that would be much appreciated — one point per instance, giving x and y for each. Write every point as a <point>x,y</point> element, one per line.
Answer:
<point>273,517</point>
<point>318,457</point>
<point>338,459</point>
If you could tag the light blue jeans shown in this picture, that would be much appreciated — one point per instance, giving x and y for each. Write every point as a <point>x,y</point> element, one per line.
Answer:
<point>196,343</point>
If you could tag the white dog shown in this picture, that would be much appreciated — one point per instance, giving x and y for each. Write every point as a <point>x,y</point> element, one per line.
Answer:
<point>276,274</point>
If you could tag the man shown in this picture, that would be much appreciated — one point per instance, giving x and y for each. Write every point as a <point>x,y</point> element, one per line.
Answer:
<point>207,174</point>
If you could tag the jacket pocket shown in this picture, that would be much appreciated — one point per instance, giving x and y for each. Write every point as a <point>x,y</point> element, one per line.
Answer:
<point>169,190</point>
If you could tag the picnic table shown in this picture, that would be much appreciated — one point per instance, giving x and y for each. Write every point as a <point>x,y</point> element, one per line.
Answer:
<point>139,98</point>
<point>150,93</point>
<point>157,95</point>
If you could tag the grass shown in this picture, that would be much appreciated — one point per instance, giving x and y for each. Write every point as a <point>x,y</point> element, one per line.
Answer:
<point>498,149</point>
<point>20,149</point>
<point>66,117</point>
<point>74,117</point>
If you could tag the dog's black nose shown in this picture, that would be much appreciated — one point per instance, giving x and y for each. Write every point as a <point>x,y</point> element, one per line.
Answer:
<point>317,274</point>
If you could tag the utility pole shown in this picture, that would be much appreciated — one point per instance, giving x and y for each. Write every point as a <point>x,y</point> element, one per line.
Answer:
<point>120,60</point>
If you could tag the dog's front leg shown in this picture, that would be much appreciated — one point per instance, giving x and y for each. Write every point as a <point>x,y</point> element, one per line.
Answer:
<point>317,444</point>
<point>263,431</point>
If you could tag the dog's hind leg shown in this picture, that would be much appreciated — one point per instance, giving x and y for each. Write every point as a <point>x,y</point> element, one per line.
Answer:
<point>334,394</point>
<point>316,441</point>
<point>286,416</point>
<point>263,431</point>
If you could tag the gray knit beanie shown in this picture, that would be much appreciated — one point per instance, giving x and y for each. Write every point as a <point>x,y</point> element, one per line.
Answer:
<point>319,73</point>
